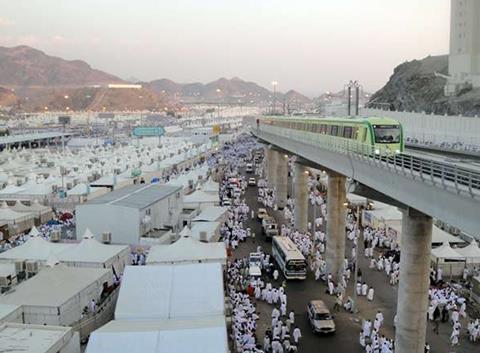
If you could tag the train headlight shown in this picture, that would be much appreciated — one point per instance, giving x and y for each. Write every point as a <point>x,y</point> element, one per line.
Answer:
<point>377,151</point>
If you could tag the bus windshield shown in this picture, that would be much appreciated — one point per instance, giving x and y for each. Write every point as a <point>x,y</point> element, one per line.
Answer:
<point>296,266</point>
<point>387,133</point>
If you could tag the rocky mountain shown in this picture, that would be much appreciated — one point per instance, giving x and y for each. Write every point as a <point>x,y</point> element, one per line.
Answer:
<point>8,98</point>
<point>233,90</point>
<point>416,86</point>
<point>24,66</point>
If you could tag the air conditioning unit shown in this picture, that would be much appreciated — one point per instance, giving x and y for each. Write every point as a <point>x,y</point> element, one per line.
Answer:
<point>19,266</point>
<point>54,188</point>
<point>203,237</point>
<point>69,186</point>
<point>55,236</point>
<point>19,182</point>
<point>106,237</point>
<point>31,266</point>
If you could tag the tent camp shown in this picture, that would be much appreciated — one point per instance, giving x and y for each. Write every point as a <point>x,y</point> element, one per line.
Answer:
<point>165,292</point>
<point>446,258</point>
<point>18,222</point>
<point>470,252</point>
<point>61,293</point>
<point>34,249</point>
<point>159,336</point>
<point>91,253</point>
<point>42,213</point>
<point>187,250</point>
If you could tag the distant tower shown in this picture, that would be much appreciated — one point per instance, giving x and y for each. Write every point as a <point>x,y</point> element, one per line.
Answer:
<point>464,59</point>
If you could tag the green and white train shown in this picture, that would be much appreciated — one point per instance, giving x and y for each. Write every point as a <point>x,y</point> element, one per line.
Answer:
<point>383,135</point>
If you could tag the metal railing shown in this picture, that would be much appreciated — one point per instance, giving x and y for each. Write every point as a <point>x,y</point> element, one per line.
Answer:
<point>442,175</point>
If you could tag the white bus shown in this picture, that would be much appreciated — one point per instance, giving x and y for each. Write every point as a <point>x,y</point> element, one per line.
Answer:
<point>290,260</point>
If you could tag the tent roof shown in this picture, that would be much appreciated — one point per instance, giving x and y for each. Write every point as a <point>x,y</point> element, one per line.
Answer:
<point>91,250</point>
<point>387,213</point>
<point>7,214</point>
<point>185,232</point>
<point>53,286</point>
<point>159,336</point>
<point>79,189</point>
<point>200,196</point>
<point>446,252</point>
<point>166,292</point>
<point>187,249</point>
<point>211,186</point>
<point>211,214</point>
<point>440,236</point>
<point>470,251</point>
<point>35,248</point>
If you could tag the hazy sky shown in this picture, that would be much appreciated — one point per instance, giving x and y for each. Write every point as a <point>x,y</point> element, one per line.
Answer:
<point>308,45</point>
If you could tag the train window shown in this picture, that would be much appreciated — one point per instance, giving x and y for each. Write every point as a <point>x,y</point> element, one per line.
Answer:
<point>323,129</point>
<point>347,132</point>
<point>316,128</point>
<point>340,131</point>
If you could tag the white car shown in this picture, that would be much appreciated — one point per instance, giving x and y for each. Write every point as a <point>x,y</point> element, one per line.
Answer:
<point>255,264</point>
<point>252,182</point>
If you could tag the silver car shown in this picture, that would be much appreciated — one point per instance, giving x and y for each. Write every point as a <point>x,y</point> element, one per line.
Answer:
<point>320,318</point>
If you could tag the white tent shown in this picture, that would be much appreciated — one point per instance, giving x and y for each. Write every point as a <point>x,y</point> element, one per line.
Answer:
<point>211,187</point>
<point>79,190</point>
<point>165,292</point>
<point>9,215</point>
<point>57,295</point>
<point>107,180</point>
<point>187,250</point>
<point>200,199</point>
<point>185,232</point>
<point>37,189</point>
<point>200,335</point>
<point>11,189</point>
<point>91,253</point>
<point>470,252</point>
<point>35,248</point>
<point>445,252</point>
<point>211,214</point>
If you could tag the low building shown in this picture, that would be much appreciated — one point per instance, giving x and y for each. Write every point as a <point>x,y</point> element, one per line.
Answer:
<point>18,338</point>
<point>57,295</point>
<point>131,212</point>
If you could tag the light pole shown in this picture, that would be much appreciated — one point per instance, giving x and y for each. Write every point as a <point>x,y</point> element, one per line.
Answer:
<point>274,84</point>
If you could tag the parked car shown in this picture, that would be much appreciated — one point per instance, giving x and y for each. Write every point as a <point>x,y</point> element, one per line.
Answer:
<point>320,318</point>
<point>249,168</point>
<point>252,182</point>
<point>255,264</point>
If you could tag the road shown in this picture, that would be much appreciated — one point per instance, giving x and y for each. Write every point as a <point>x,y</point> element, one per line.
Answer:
<point>348,326</point>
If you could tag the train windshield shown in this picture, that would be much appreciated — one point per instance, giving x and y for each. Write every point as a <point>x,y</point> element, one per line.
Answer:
<point>387,133</point>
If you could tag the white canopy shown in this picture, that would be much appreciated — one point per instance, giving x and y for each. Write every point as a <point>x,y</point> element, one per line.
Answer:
<point>210,186</point>
<point>200,196</point>
<point>11,189</point>
<point>107,180</point>
<point>8,215</point>
<point>445,252</point>
<point>203,335</point>
<point>471,252</point>
<point>35,248</point>
<point>79,189</point>
<point>211,214</point>
<point>187,249</point>
<point>165,292</point>
<point>210,228</point>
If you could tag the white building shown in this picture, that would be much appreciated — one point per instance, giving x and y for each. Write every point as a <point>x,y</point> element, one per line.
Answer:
<point>464,59</point>
<point>18,338</point>
<point>131,212</point>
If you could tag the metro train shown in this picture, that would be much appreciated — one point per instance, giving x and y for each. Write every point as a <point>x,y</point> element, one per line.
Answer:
<point>384,135</point>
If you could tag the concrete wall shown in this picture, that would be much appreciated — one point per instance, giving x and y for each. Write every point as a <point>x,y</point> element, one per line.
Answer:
<point>434,128</point>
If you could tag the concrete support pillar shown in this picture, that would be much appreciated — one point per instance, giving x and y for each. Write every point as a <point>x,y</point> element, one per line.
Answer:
<point>301,197</point>
<point>336,219</point>
<point>281,178</point>
<point>412,300</point>
<point>270,166</point>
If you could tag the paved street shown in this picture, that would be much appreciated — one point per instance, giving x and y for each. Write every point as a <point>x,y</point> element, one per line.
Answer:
<point>348,325</point>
